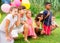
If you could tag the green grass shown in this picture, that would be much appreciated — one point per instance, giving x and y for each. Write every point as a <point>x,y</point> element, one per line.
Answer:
<point>53,38</point>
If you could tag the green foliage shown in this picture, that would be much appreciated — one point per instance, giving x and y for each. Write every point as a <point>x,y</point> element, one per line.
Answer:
<point>38,5</point>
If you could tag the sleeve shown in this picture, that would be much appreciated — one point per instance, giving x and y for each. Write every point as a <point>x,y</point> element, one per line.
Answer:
<point>8,17</point>
<point>45,13</point>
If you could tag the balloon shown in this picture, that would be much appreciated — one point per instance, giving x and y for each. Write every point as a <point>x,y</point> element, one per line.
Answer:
<point>6,1</point>
<point>15,3</point>
<point>0,15</point>
<point>5,8</point>
<point>26,3</point>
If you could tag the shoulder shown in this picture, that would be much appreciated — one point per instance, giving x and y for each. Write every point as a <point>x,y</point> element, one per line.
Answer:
<point>45,12</point>
<point>9,16</point>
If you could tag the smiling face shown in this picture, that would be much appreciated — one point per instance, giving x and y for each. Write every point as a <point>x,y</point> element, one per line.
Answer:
<point>28,14</point>
<point>14,11</point>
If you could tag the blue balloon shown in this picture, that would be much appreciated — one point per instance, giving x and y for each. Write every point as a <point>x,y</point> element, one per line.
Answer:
<point>6,1</point>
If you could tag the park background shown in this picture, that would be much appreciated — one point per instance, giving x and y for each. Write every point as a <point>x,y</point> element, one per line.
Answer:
<point>36,7</point>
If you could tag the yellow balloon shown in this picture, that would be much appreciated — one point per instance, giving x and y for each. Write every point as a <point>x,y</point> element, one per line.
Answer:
<point>25,1</point>
<point>0,15</point>
<point>27,5</point>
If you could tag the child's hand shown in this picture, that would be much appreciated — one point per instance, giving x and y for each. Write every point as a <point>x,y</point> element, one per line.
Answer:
<point>18,15</point>
<point>8,38</point>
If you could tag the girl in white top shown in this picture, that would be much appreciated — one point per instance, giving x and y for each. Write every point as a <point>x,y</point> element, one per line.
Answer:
<point>7,26</point>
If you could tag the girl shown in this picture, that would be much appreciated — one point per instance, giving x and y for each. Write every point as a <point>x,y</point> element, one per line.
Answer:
<point>31,31</point>
<point>38,27</point>
<point>23,26</point>
<point>7,26</point>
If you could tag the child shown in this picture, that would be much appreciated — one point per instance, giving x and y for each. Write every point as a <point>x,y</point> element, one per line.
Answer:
<point>38,21</point>
<point>54,24</point>
<point>7,26</point>
<point>31,31</point>
<point>47,18</point>
<point>23,27</point>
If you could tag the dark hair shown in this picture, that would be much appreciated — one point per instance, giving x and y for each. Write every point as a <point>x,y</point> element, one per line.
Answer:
<point>47,3</point>
<point>21,7</point>
<point>38,15</point>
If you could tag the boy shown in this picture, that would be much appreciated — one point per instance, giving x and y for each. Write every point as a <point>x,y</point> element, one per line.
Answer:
<point>47,18</point>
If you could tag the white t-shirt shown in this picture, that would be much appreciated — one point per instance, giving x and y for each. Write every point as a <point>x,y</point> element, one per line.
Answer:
<point>54,23</point>
<point>11,19</point>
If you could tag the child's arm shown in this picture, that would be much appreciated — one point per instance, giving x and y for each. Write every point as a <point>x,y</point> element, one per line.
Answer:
<point>57,26</point>
<point>11,29</point>
<point>47,15</point>
<point>17,23</point>
<point>6,30</point>
<point>6,27</point>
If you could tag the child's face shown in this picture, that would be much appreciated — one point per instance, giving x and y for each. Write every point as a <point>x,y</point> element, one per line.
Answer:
<point>29,14</point>
<point>48,6</point>
<point>53,18</point>
<point>23,11</point>
<point>14,11</point>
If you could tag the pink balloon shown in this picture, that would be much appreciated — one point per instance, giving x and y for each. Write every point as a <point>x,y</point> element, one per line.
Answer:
<point>5,8</point>
<point>15,3</point>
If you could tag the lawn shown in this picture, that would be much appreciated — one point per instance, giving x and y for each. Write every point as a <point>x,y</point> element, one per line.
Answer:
<point>53,38</point>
